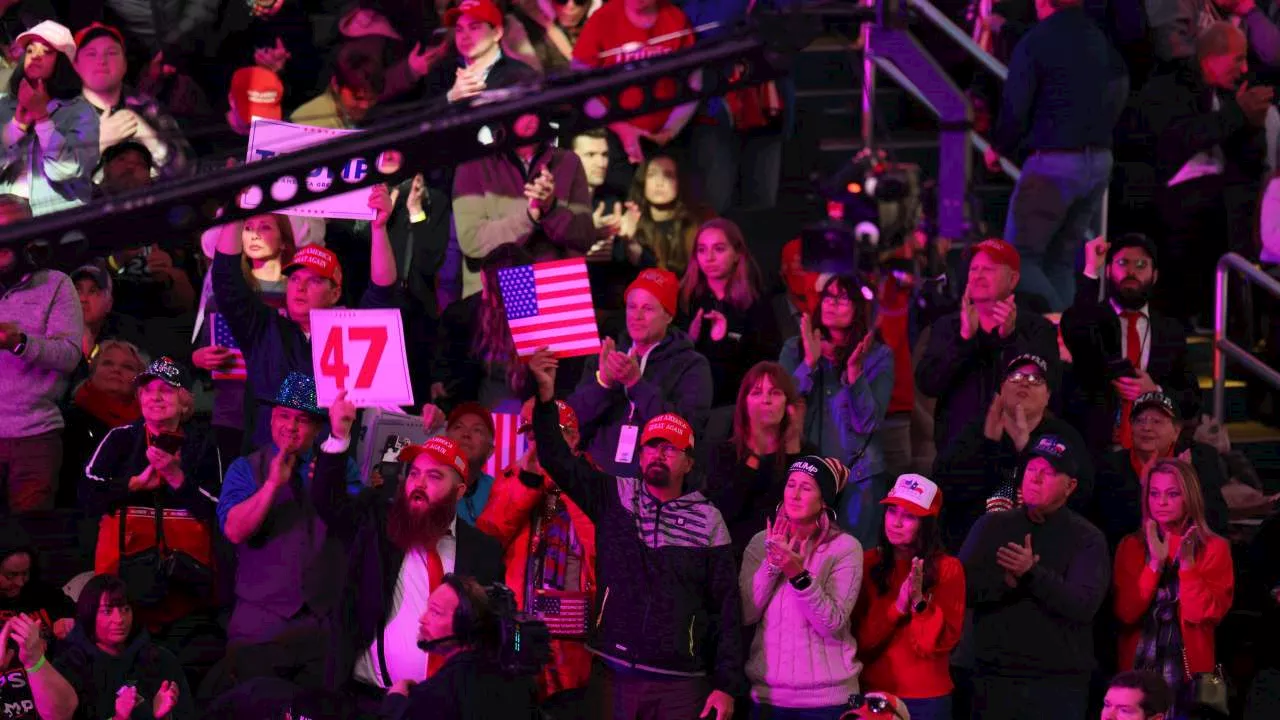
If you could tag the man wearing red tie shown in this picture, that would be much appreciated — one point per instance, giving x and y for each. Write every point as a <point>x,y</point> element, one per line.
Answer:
<point>402,540</point>
<point>1122,347</point>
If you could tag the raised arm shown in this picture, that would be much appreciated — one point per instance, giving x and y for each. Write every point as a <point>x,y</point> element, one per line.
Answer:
<point>243,505</point>
<point>758,581</point>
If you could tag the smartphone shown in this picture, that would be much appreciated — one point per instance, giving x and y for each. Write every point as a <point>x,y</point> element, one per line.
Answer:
<point>168,442</point>
<point>1120,368</point>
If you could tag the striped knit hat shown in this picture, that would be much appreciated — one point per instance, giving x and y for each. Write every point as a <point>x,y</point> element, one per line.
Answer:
<point>830,475</point>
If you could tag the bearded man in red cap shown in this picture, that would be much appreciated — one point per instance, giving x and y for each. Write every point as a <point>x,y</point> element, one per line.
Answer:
<point>399,550</point>
<point>652,369</point>
<point>667,621</point>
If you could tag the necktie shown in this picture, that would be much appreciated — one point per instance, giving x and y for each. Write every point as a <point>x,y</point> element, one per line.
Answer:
<point>1133,353</point>
<point>435,575</point>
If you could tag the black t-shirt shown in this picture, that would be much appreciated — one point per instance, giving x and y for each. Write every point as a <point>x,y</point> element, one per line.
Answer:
<point>47,605</point>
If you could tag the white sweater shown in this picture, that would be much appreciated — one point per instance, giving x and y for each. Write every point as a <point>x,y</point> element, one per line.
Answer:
<point>803,654</point>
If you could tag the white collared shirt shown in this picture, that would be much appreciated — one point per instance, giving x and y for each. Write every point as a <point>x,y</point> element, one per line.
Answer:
<point>405,661</point>
<point>1144,332</point>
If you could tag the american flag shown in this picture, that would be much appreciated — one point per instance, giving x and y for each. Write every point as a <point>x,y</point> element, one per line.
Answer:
<point>549,304</point>
<point>222,338</point>
<point>508,445</point>
<point>565,613</point>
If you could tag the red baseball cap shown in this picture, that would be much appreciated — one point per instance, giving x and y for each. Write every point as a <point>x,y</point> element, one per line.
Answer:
<point>257,92</point>
<point>96,30</point>
<point>568,418</point>
<point>321,261</point>
<point>916,494</point>
<point>662,284</point>
<point>483,10</point>
<point>669,427</point>
<point>1000,252</point>
<point>476,409</point>
<point>442,450</point>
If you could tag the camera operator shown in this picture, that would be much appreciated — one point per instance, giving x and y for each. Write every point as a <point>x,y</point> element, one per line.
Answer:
<point>463,626</point>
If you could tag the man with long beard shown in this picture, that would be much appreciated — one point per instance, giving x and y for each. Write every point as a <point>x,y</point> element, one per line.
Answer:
<point>402,540</point>
<point>1121,347</point>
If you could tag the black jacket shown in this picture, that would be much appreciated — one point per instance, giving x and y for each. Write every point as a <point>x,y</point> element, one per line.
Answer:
<point>747,498</point>
<point>97,677</point>
<point>668,601</point>
<point>965,375</point>
<point>973,467</point>
<point>1092,332</point>
<point>1117,503</point>
<point>752,336</point>
<point>374,562</point>
<point>1174,117</point>
<point>466,687</point>
<point>122,454</point>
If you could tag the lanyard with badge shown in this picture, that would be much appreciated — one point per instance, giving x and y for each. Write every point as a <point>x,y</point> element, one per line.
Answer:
<point>630,431</point>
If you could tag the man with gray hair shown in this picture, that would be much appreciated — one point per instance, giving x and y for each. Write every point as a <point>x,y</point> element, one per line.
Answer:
<point>40,331</point>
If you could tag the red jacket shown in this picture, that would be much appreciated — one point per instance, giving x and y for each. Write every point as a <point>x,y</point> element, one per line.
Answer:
<point>1205,591</point>
<point>909,655</point>
<point>508,517</point>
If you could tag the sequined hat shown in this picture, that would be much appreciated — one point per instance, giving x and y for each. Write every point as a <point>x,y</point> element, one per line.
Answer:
<point>166,369</point>
<point>298,392</point>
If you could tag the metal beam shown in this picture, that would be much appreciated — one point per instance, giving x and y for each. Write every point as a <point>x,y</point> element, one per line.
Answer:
<point>429,139</point>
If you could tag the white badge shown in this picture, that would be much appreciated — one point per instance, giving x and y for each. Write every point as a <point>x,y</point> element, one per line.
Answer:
<point>626,444</point>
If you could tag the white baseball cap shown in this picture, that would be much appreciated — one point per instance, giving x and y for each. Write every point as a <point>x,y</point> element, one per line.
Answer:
<point>55,35</point>
<point>916,494</point>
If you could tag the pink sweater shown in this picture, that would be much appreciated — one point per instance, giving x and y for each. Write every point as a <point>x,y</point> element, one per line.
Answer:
<point>803,654</point>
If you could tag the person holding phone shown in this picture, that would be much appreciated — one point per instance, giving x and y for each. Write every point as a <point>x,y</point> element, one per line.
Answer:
<point>1173,583</point>
<point>911,609</point>
<point>799,583</point>
<point>164,464</point>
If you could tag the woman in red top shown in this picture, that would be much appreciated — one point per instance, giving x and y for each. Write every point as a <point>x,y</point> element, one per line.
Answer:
<point>911,608</point>
<point>1173,582</point>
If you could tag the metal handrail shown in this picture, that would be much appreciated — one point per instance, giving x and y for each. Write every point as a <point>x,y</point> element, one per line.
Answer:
<point>1224,348</point>
<point>943,23</point>
<point>979,142</point>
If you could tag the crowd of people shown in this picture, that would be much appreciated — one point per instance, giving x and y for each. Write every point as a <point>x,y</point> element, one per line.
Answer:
<point>966,484</point>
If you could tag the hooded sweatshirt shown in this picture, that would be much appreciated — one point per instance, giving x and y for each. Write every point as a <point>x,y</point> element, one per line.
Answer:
<point>37,599</point>
<point>97,676</point>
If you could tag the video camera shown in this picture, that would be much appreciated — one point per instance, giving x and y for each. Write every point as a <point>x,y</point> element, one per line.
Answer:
<point>524,642</point>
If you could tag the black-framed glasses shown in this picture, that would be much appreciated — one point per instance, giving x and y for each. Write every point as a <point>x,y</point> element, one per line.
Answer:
<point>874,703</point>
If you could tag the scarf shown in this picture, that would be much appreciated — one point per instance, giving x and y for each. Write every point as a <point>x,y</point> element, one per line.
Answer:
<point>108,409</point>
<point>1160,648</point>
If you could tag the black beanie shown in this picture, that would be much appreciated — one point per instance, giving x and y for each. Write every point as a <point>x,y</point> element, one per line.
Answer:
<point>830,475</point>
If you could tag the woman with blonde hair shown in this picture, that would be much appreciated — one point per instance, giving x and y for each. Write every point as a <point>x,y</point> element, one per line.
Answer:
<point>799,581</point>
<point>105,400</point>
<point>1173,582</point>
<point>721,302</point>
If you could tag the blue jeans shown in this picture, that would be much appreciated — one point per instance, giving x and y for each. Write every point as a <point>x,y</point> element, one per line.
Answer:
<point>769,712</point>
<point>747,166</point>
<point>1055,207</point>
<point>937,708</point>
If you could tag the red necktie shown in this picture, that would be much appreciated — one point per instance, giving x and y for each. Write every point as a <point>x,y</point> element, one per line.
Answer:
<point>1133,353</point>
<point>435,575</point>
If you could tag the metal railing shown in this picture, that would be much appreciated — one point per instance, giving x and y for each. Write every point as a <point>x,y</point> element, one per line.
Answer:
<point>940,20</point>
<point>1224,349</point>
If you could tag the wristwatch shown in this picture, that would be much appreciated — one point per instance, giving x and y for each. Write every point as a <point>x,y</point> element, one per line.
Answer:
<point>801,581</point>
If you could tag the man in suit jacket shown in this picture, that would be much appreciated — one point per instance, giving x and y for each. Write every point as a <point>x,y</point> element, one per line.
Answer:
<point>1122,327</point>
<point>402,541</point>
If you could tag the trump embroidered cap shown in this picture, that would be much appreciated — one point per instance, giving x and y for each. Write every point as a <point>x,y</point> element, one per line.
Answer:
<point>1000,252</point>
<point>442,450</point>
<point>321,261</point>
<point>1055,449</point>
<point>669,427</point>
<point>1024,360</point>
<point>483,10</point>
<point>661,284</point>
<point>916,494</point>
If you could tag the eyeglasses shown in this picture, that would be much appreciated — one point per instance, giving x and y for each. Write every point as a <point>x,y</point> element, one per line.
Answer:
<point>579,3</point>
<point>874,703</point>
<point>1126,263</point>
<point>667,450</point>
<point>838,299</point>
<point>1021,378</point>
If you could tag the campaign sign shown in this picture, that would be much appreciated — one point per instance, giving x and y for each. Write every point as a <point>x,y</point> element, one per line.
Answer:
<point>268,138</point>
<point>361,352</point>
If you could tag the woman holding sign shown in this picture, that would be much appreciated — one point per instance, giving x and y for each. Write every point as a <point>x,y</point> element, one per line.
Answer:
<point>911,609</point>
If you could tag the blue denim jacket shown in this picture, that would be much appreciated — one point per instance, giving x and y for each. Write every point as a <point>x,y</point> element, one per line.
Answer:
<point>842,419</point>
<point>62,168</point>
